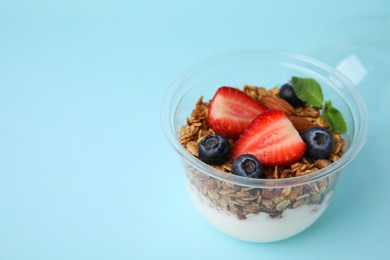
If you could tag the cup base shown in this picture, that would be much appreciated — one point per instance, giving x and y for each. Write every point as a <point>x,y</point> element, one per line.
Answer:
<point>259,228</point>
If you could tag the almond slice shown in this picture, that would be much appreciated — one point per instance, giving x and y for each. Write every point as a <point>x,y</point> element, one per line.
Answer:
<point>278,104</point>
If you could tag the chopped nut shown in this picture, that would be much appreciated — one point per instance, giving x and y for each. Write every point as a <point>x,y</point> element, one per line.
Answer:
<point>322,163</point>
<point>277,103</point>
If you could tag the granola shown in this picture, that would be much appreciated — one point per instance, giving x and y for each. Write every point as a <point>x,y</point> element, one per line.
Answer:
<point>242,201</point>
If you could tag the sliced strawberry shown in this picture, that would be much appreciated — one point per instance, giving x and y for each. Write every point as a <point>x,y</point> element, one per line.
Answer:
<point>231,111</point>
<point>272,138</point>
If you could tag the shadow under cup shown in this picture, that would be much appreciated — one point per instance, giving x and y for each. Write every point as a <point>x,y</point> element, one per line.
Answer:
<point>260,210</point>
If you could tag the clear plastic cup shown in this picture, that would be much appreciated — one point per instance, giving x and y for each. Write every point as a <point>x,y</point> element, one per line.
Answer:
<point>260,210</point>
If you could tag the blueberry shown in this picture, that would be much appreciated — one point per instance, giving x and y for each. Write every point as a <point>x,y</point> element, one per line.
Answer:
<point>214,149</point>
<point>287,93</point>
<point>319,142</point>
<point>247,165</point>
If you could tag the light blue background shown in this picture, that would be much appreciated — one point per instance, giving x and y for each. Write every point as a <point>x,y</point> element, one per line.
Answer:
<point>85,170</point>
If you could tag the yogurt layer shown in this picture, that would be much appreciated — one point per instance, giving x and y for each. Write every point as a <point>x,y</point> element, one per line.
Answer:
<point>260,227</point>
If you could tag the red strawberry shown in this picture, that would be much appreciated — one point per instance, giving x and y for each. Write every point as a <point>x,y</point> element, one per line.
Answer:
<point>231,111</point>
<point>272,138</point>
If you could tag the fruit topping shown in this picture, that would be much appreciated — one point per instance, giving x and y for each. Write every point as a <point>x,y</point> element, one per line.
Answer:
<point>319,142</point>
<point>214,149</point>
<point>287,93</point>
<point>272,139</point>
<point>231,111</point>
<point>247,165</point>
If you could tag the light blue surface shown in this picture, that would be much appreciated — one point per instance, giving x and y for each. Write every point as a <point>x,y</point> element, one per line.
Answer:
<point>85,171</point>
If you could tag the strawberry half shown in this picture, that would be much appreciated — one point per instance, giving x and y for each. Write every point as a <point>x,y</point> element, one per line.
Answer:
<point>272,138</point>
<point>231,111</point>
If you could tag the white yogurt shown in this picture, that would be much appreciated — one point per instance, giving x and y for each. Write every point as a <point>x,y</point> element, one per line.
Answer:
<point>260,227</point>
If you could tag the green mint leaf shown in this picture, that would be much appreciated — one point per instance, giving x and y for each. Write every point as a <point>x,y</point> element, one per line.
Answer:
<point>308,90</point>
<point>334,118</point>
